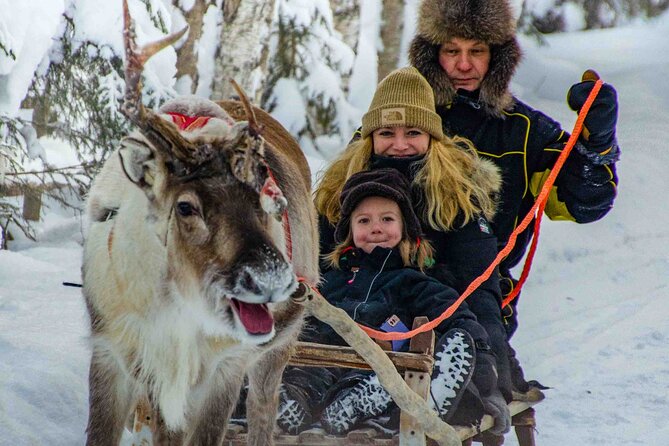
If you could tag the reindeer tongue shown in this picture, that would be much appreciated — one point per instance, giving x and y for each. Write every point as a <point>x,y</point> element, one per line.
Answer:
<point>255,317</point>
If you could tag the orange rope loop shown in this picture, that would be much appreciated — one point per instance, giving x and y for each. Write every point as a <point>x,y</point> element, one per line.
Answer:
<point>536,211</point>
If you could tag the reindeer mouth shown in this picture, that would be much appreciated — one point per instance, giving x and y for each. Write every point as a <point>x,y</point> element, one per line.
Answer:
<point>256,318</point>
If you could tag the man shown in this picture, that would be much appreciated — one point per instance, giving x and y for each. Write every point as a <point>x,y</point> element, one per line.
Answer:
<point>468,52</point>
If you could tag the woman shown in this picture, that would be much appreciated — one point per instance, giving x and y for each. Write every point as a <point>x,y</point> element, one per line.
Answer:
<point>377,278</point>
<point>453,192</point>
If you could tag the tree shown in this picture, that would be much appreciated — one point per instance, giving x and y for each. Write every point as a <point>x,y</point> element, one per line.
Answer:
<point>308,61</point>
<point>243,52</point>
<point>561,15</point>
<point>187,54</point>
<point>392,24</point>
<point>346,15</point>
<point>75,98</point>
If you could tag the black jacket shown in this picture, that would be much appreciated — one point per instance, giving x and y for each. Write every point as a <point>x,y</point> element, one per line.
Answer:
<point>461,255</point>
<point>464,252</point>
<point>372,287</point>
<point>525,145</point>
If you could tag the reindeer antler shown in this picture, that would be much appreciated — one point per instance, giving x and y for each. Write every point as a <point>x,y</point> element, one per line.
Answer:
<point>161,133</point>
<point>256,142</point>
<point>255,130</point>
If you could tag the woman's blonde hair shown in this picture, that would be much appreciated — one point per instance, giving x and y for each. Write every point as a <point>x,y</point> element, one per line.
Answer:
<point>454,189</point>
<point>414,253</point>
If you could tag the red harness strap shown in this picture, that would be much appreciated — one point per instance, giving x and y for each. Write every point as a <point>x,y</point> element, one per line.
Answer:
<point>284,218</point>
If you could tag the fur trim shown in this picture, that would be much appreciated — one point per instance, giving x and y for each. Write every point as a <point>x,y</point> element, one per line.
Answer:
<point>218,121</point>
<point>487,175</point>
<point>490,21</point>
<point>195,106</point>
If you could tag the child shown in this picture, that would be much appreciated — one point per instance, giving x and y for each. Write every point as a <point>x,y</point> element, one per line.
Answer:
<point>377,279</point>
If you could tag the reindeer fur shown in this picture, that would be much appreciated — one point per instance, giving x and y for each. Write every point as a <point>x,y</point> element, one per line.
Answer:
<point>159,330</point>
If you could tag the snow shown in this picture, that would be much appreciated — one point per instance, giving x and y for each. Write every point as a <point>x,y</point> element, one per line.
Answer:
<point>207,49</point>
<point>35,23</point>
<point>364,75</point>
<point>594,314</point>
<point>28,34</point>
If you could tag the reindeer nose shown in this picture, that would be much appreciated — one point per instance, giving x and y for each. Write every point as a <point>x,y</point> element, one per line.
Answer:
<point>255,285</point>
<point>246,282</point>
<point>262,279</point>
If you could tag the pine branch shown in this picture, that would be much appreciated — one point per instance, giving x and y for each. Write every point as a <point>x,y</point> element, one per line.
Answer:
<point>50,170</point>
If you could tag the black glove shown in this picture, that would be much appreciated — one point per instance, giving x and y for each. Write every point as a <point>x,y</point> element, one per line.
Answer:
<point>599,127</point>
<point>495,406</point>
<point>502,350</point>
<point>485,372</point>
<point>485,380</point>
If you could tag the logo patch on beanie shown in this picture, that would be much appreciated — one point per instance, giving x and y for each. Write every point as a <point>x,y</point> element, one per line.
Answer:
<point>393,116</point>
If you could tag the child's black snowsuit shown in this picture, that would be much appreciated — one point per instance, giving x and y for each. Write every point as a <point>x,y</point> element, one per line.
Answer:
<point>371,288</point>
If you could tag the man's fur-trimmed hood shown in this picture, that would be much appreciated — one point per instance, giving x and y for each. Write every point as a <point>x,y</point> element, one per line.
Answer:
<point>490,21</point>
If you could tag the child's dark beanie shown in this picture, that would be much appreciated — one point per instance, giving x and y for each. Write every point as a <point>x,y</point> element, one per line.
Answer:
<point>386,183</point>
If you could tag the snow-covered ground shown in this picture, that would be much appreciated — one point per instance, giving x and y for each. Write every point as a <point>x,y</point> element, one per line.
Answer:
<point>594,314</point>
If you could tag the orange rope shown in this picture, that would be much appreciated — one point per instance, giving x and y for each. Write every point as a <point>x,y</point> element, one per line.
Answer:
<point>542,198</point>
<point>538,207</point>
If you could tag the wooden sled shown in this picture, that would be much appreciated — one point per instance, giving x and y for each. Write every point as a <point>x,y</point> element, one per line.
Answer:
<point>416,365</point>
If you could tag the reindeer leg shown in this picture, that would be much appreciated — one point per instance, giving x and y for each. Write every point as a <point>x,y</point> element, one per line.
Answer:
<point>165,437</point>
<point>110,401</point>
<point>263,398</point>
<point>212,420</point>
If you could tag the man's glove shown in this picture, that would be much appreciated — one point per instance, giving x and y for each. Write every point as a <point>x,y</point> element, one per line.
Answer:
<point>485,380</point>
<point>599,127</point>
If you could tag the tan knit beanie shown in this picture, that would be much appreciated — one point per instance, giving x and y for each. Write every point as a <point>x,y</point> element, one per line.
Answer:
<point>403,98</point>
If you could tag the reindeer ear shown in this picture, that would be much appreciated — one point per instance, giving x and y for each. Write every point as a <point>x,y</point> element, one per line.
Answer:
<point>272,199</point>
<point>138,161</point>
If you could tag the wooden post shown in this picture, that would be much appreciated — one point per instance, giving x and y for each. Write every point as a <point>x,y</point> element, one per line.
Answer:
<point>411,432</point>
<point>489,439</point>
<point>524,424</point>
<point>32,205</point>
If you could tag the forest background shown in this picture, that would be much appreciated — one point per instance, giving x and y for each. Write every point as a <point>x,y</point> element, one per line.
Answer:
<point>594,313</point>
<point>309,63</point>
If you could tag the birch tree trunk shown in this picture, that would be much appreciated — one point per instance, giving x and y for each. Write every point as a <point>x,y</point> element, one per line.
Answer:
<point>346,14</point>
<point>187,55</point>
<point>392,24</point>
<point>243,52</point>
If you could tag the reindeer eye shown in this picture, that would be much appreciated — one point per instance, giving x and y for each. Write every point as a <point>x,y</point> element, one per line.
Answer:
<point>185,209</point>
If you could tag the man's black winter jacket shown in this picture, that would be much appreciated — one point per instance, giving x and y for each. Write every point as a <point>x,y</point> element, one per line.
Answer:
<point>525,145</point>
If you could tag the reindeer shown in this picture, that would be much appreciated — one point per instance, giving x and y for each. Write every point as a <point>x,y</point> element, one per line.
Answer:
<point>196,236</point>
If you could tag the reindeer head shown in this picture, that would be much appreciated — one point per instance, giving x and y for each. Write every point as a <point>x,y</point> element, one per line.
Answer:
<point>214,201</point>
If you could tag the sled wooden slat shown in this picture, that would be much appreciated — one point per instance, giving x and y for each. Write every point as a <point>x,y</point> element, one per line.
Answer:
<point>523,422</point>
<point>522,419</point>
<point>321,355</point>
<point>522,412</point>
<point>417,367</point>
<point>418,362</point>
